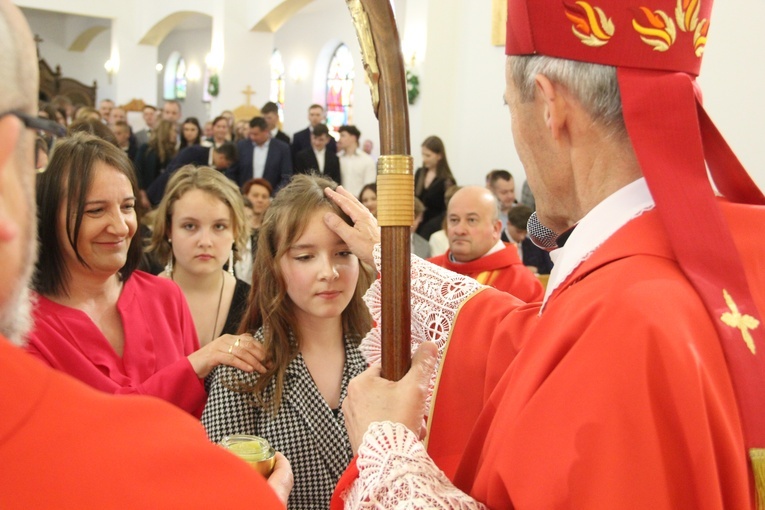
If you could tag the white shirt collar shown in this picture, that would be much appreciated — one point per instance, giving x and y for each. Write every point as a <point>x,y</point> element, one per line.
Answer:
<point>595,228</point>
<point>494,249</point>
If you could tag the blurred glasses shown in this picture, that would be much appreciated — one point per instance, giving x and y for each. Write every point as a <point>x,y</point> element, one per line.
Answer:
<point>44,127</point>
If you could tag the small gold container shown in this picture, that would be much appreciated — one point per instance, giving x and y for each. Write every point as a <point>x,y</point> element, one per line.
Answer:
<point>254,450</point>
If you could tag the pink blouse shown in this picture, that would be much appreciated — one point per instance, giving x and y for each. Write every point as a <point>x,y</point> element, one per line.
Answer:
<point>159,335</point>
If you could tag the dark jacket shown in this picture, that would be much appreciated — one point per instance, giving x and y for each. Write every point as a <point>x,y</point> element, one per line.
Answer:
<point>278,169</point>
<point>305,163</point>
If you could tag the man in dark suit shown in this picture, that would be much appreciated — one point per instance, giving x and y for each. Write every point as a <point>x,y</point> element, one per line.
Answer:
<point>220,158</point>
<point>302,139</point>
<point>261,156</point>
<point>318,157</point>
<point>270,112</point>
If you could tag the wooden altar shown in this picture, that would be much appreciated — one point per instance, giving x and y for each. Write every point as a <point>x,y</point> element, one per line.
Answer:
<point>53,84</point>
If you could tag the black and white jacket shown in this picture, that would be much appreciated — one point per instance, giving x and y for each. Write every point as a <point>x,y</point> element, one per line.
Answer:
<point>310,434</point>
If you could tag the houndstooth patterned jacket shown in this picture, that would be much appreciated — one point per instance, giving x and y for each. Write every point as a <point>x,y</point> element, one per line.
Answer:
<point>305,429</point>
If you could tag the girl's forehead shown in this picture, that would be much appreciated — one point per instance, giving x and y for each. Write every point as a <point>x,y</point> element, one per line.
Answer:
<point>311,229</point>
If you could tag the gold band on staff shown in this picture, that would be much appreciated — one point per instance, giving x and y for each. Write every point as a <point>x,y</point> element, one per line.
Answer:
<point>395,191</point>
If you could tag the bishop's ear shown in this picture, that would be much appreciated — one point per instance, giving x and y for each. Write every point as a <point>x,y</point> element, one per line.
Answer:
<point>554,102</point>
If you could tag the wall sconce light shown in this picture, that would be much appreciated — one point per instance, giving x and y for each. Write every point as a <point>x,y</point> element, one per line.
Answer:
<point>214,62</point>
<point>299,70</point>
<point>111,68</point>
<point>159,67</point>
<point>193,73</point>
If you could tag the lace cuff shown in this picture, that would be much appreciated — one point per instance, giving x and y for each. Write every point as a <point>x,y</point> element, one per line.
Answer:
<point>436,294</point>
<point>396,472</point>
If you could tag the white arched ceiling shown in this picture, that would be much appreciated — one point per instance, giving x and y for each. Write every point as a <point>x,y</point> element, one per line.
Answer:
<point>82,41</point>
<point>157,33</point>
<point>277,13</point>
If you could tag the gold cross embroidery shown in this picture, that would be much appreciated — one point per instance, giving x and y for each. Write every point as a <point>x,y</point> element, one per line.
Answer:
<point>742,322</point>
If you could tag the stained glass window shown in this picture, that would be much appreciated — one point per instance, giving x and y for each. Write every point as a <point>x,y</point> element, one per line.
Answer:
<point>340,88</point>
<point>180,79</point>
<point>174,77</point>
<point>277,81</point>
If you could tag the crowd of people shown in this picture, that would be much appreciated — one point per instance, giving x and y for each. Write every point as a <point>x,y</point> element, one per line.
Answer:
<point>227,281</point>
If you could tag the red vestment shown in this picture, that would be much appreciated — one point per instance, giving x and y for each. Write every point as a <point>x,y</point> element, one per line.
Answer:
<point>502,270</point>
<point>617,396</point>
<point>66,445</point>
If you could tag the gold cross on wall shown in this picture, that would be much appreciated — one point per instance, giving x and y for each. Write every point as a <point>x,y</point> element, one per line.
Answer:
<point>742,322</point>
<point>247,93</point>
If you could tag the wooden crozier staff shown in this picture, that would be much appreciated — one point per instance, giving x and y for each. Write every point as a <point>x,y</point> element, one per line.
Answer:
<point>384,65</point>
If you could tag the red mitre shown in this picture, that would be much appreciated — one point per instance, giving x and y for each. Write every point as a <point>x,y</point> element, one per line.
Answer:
<point>656,46</point>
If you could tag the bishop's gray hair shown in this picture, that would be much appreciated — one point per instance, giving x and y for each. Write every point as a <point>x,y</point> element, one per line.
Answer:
<point>594,85</point>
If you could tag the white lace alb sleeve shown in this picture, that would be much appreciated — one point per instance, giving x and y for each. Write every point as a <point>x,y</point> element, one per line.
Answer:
<point>396,472</point>
<point>436,294</point>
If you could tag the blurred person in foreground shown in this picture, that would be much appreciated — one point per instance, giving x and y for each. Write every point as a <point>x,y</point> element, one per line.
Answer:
<point>91,449</point>
<point>639,381</point>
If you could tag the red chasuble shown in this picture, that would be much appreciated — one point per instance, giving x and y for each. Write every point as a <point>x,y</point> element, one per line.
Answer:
<point>66,445</point>
<point>617,396</point>
<point>502,270</point>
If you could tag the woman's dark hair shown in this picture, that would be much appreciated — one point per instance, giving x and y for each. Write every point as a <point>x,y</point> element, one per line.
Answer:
<point>198,140</point>
<point>371,186</point>
<point>65,184</point>
<point>435,145</point>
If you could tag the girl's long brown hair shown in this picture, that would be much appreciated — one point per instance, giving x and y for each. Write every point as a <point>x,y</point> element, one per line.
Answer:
<point>269,305</point>
<point>161,143</point>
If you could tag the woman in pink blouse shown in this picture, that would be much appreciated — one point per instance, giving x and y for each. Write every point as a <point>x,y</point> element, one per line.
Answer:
<point>97,318</point>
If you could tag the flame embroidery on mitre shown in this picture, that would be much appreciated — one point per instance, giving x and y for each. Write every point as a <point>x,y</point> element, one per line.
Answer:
<point>590,24</point>
<point>687,14</point>
<point>659,30</point>
<point>700,37</point>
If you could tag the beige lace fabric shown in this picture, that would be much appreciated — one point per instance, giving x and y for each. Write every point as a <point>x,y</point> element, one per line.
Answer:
<point>436,296</point>
<point>395,470</point>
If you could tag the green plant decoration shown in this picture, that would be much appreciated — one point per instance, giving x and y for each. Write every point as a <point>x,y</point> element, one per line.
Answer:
<point>213,86</point>
<point>412,86</point>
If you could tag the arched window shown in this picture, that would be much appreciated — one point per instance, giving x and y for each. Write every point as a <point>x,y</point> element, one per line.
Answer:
<point>180,79</point>
<point>340,88</point>
<point>277,81</point>
<point>175,77</point>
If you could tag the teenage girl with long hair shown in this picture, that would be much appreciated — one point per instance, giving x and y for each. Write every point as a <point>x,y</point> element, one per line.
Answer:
<point>306,309</point>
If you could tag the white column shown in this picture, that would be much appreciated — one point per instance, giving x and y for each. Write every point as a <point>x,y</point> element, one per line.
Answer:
<point>133,60</point>
<point>245,53</point>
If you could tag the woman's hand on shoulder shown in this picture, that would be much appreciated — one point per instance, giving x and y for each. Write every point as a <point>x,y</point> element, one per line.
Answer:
<point>238,351</point>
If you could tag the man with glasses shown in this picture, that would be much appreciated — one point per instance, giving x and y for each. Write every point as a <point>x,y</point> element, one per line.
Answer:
<point>62,443</point>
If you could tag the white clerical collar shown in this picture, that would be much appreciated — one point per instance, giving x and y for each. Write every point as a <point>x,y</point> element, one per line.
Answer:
<point>595,228</point>
<point>494,249</point>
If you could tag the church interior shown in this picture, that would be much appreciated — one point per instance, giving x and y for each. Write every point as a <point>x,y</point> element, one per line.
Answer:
<point>288,50</point>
